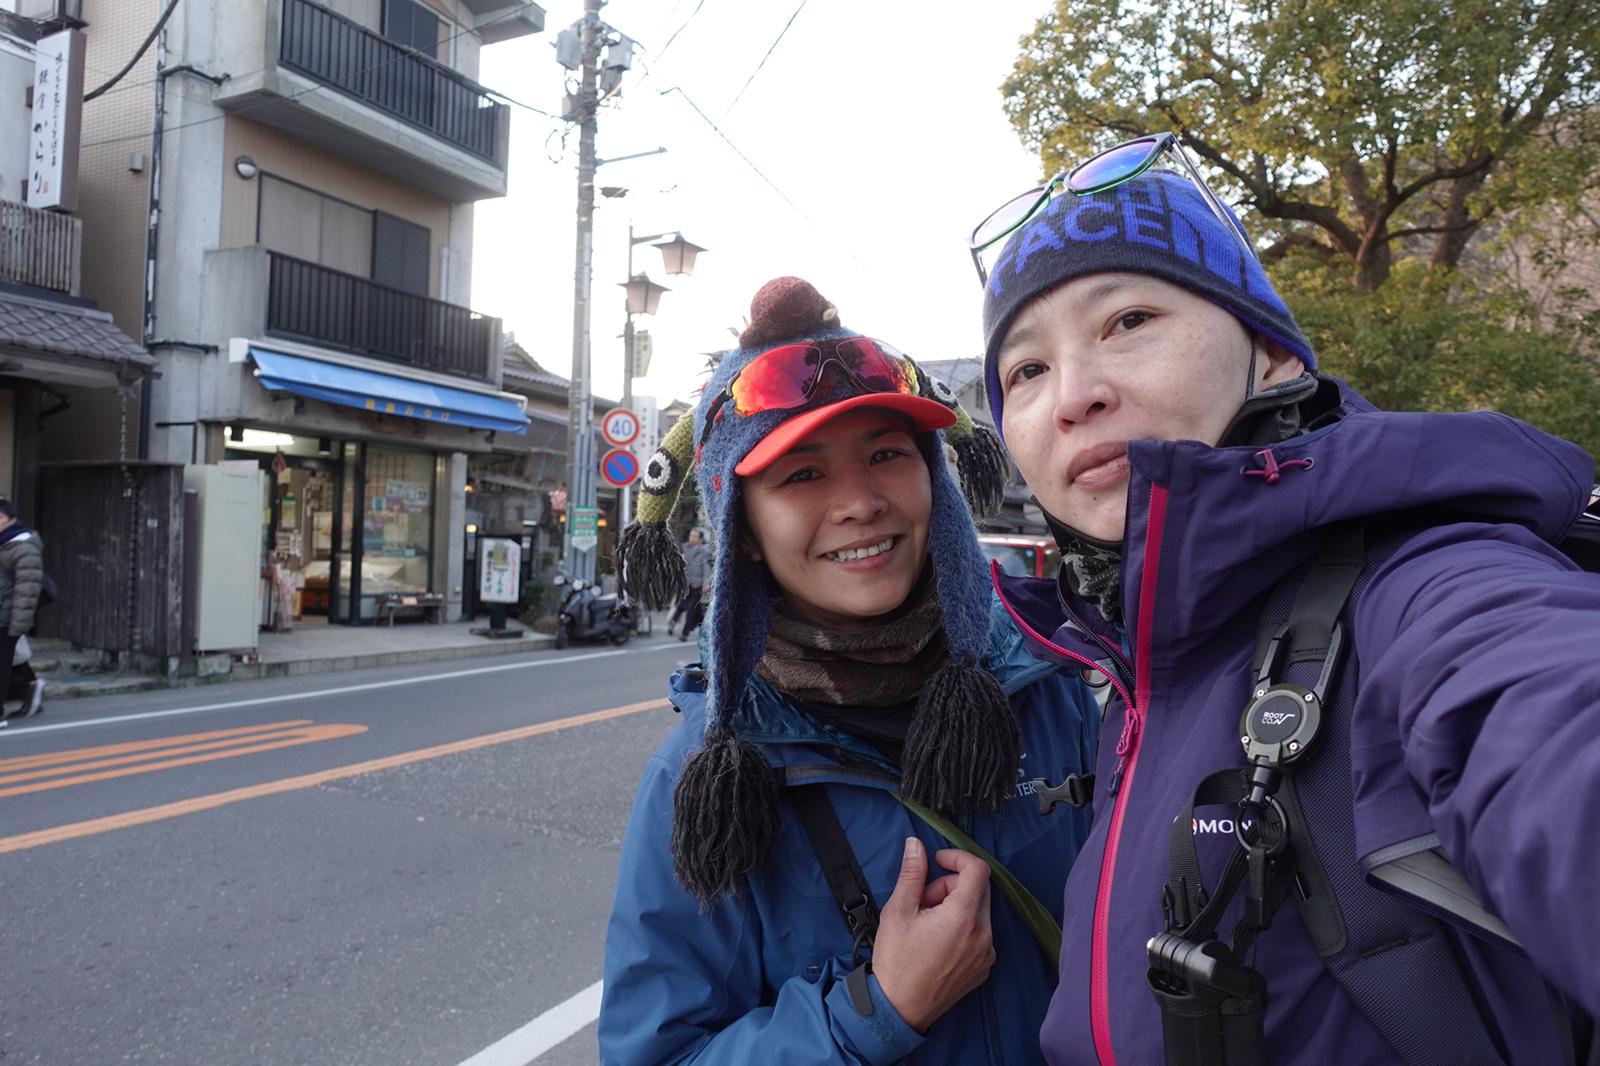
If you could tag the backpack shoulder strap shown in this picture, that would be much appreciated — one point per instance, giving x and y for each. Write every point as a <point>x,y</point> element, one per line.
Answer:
<point>840,869</point>
<point>1394,961</point>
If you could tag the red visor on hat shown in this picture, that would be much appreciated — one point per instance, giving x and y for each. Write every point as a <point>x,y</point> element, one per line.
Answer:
<point>925,414</point>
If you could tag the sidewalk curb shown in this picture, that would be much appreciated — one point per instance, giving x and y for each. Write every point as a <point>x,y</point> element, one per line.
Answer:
<point>112,683</point>
<point>302,667</point>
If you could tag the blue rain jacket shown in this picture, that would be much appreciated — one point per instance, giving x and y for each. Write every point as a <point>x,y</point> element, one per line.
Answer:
<point>760,978</point>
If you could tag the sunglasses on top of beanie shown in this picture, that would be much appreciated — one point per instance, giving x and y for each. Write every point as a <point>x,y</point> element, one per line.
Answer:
<point>1096,217</point>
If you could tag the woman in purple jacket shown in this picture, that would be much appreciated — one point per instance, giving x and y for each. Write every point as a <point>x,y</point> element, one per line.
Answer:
<point>1167,413</point>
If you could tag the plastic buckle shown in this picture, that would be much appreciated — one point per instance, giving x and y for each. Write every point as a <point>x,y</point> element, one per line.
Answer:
<point>1076,791</point>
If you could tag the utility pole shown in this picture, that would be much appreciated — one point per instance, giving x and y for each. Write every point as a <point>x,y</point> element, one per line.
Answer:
<point>580,408</point>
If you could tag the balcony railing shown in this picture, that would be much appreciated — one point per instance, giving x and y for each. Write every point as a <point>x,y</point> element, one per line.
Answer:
<point>347,56</point>
<point>312,303</point>
<point>40,248</point>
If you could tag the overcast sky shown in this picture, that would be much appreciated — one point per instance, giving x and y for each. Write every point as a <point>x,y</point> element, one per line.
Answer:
<point>880,121</point>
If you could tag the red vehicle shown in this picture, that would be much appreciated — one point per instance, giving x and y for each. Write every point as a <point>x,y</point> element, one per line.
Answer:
<point>1022,554</point>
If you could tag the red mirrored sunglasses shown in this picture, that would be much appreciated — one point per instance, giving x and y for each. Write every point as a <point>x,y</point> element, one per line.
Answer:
<point>788,376</point>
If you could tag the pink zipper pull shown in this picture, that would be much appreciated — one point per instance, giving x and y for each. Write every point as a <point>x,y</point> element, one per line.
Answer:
<point>1130,734</point>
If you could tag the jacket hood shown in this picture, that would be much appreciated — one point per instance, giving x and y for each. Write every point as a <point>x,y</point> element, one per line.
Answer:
<point>17,531</point>
<point>1239,519</point>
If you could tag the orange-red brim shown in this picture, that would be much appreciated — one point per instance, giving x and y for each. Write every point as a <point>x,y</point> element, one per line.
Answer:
<point>925,414</point>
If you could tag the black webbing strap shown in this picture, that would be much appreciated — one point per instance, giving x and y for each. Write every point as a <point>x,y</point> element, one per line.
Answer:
<point>1317,604</point>
<point>839,867</point>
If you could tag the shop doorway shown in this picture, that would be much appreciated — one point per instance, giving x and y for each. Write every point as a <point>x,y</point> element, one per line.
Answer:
<point>346,524</point>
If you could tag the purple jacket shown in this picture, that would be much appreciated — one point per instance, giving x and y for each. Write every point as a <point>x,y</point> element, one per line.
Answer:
<point>1479,653</point>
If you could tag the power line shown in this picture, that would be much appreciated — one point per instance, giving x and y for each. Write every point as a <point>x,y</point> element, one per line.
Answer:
<point>736,151</point>
<point>764,59</point>
<point>248,108</point>
<point>680,29</point>
<point>143,48</point>
<point>758,172</point>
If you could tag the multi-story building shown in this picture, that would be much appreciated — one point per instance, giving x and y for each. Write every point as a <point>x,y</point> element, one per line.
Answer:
<point>54,344</point>
<point>279,201</point>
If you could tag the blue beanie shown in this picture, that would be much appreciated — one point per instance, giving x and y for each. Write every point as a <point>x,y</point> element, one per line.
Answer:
<point>1157,224</point>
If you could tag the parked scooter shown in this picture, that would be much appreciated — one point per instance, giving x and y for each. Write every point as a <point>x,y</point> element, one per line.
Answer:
<point>587,615</point>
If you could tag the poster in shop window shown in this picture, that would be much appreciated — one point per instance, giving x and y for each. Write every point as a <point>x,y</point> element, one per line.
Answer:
<point>500,567</point>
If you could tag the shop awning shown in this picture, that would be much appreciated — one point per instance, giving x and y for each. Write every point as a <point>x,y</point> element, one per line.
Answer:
<point>390,394</point>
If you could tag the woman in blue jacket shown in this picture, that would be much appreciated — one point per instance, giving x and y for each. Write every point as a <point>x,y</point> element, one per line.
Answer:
<point>855,666</point>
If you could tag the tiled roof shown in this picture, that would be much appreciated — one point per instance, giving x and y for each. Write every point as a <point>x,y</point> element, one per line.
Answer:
<point>28,324</point>
<point>955,373</point>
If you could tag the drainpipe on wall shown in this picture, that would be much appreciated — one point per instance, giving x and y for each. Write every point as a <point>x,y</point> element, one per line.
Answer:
<point>152,233</point>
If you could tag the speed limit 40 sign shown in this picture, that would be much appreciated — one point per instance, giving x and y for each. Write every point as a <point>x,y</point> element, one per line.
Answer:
<point>620,426</point>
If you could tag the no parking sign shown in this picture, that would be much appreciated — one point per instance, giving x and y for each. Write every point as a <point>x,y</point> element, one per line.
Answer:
<point>619,467</point>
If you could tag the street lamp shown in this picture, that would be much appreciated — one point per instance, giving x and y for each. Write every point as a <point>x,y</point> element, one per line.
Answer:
<point>678,254</point>
<point>643,295</point>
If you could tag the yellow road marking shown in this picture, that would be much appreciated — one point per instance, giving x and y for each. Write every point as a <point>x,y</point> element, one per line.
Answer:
<point>56,758</point>
<point>93,826</point>
<point>180,754</point>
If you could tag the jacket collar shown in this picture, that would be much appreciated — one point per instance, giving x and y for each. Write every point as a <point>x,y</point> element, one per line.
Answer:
<point>1240,519</point>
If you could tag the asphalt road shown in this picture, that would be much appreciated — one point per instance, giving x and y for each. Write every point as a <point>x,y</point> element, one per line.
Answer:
<point>409,865</point>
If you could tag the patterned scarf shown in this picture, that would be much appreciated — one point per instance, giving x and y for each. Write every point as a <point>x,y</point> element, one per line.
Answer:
<point>884,666</point>
<point>1092,568</point>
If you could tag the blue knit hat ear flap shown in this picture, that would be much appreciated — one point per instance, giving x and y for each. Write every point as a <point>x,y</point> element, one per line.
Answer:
<point>725,805</point>
<point>963,746</point>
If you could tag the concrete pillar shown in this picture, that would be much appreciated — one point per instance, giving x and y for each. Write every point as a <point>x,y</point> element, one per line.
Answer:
<point>451,538</point>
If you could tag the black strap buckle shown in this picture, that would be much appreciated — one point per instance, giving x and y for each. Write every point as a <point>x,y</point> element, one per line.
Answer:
<point>1076,791</point>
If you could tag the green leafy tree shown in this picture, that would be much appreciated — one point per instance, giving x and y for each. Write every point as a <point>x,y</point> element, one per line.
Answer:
<point>1356,131</point>
<point>1369,142</point>
<point>1431,341</point>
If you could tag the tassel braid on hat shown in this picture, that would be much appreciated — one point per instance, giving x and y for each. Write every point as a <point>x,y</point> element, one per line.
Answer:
<point>963,746</point>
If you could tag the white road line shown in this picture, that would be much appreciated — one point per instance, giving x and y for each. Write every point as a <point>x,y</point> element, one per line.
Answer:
<point>552,1027</point>
<point>318,693</point>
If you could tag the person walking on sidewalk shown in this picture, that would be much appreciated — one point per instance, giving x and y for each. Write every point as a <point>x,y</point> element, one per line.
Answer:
<point>21,578</point>
<point>697,572</point>
<point>857,677</point>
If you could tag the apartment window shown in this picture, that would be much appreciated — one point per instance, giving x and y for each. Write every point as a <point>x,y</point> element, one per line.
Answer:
<point>413,25</point>
<point>400,254</point>
<point>320,229</point>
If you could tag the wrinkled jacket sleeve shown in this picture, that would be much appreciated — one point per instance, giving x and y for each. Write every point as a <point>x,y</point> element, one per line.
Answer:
<point>684,985</point>
<point>27,577</point>
<point>1487,643</point>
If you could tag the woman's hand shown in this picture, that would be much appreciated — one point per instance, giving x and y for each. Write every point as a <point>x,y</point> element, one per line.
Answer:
<point>934,944</point>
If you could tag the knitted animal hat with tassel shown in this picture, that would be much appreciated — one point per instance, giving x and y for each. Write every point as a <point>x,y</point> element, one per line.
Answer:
<point>962,748</point>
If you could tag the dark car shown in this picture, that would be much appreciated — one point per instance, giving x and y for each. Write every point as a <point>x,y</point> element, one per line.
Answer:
<point>1022,554</point>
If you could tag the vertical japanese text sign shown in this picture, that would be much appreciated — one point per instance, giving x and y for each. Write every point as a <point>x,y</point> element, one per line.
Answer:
<point>56,127</point>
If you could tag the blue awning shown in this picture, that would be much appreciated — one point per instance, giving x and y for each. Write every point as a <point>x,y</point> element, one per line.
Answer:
<point>389,394</point>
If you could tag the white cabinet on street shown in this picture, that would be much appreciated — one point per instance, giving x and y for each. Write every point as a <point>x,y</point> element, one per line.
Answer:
<point>227,608</point>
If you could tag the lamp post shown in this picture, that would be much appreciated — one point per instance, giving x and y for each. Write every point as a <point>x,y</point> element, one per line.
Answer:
<point>678,257</point>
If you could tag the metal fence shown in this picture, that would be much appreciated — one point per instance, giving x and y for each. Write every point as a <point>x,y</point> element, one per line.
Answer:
<point>309,302</point>
<point>347,56</point>
<point>40,248</point>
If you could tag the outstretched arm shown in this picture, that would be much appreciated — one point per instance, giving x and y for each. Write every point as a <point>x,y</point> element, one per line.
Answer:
<point>1486,644</point>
